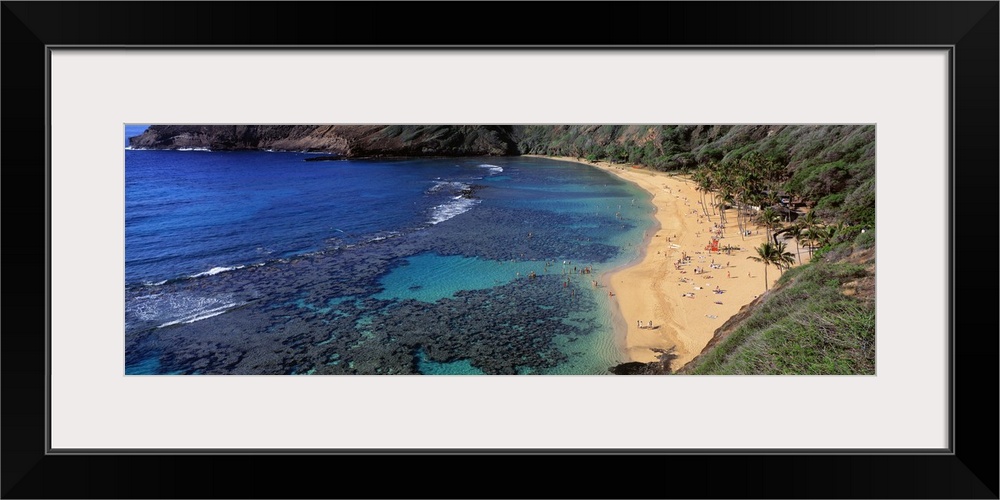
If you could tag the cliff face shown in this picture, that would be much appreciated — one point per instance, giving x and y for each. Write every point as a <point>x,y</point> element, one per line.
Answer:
<point>346,140</point>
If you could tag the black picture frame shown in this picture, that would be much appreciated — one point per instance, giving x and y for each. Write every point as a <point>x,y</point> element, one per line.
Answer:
<point>969,29</point>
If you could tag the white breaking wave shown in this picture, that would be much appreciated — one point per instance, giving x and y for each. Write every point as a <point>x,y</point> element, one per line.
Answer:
<point>457,206</point>
<point>390,234</point>
<point>454,186</point>
<point>495,169</point>
<point>201,315</point>
<point>173,308</point>
<point>216,270</point>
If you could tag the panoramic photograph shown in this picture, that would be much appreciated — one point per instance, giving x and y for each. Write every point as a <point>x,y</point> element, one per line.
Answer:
<point>621,249</point>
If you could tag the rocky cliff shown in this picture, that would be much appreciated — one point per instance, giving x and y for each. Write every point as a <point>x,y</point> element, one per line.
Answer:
<point>345,140</point>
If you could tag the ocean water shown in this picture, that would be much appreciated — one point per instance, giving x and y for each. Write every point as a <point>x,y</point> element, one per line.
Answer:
<point>264,263</point>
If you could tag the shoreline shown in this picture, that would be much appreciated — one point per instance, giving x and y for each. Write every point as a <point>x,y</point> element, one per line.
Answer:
<point>682,304</point>
<point>606,277</point>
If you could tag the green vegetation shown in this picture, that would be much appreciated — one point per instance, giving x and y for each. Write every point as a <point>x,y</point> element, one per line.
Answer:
<point>816,321</point>
<point>831,167</point>
<point>820,317</point>
<point>773,255</point>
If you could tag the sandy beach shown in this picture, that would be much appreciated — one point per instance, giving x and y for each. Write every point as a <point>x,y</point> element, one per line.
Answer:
<point>683,304</point>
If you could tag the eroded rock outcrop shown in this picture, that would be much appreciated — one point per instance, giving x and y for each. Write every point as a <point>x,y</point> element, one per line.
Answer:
<point>342,140</point>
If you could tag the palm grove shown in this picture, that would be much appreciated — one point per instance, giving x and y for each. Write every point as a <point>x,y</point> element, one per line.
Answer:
<point>751,186</point>
<point>819,318</point>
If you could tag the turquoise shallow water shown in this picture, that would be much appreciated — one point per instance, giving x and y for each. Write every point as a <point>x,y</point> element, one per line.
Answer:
<point>420,266</point>
<point>460,367</point>
<point>429,277</point>
<point>432,278</point>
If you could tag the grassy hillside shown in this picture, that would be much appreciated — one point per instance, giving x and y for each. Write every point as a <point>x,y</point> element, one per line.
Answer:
<point>818,320</point>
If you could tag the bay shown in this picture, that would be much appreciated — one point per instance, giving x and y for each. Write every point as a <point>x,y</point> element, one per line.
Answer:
<point>259,262</point>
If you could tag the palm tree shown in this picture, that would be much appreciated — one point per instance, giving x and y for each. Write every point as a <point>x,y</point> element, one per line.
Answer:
<point>766,254</point>
<point>813,235</point>
<point>797,233</point>
<point>698,176</point>
<point>783,258</point>
<point>722,181</point>
<point>826,235</point>
<point>770,219</point>
<point>749,199</point>
<point>809,224</point>
<point>725,199</point>
<point>703,181</point>
<point>773,255</point>
<point>745,186</point>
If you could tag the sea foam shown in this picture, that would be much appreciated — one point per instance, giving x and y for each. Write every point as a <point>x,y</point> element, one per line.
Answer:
<point>173,308</point>
<point>453,186</point>
<point>494,169</point>
<point>202,315</point>
<point>459,205</point>
<point>216,270</point>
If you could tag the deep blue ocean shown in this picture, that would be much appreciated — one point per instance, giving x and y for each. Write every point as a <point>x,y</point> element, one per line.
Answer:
<point>264,263</point>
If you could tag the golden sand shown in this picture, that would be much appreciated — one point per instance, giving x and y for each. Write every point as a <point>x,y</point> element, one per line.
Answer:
<point>683,305</point>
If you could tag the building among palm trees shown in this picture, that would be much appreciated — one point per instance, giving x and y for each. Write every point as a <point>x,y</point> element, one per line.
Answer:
<point>787,213</point>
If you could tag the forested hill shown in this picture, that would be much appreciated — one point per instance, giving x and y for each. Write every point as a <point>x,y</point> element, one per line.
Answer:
<point>829,167</point>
